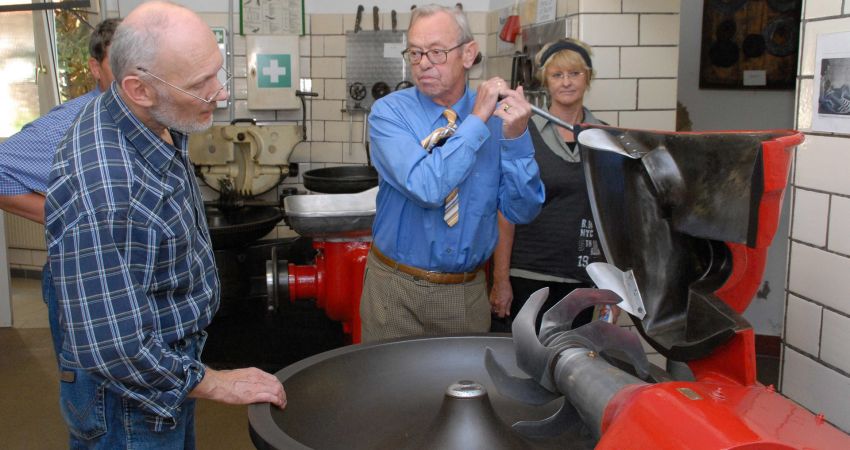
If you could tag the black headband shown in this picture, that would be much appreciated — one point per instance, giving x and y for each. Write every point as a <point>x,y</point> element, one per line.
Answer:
<point>565,45</point>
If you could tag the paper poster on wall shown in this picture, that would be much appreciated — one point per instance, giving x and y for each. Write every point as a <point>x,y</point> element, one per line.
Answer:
<point>273,17</point>
<point>831,89</point>
<point>546,11</point>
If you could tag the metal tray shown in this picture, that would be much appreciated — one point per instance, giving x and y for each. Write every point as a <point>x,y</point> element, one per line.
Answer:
<point>331,215</point>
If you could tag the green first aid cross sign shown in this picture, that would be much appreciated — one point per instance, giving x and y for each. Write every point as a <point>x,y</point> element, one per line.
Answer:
<point>274,71</point>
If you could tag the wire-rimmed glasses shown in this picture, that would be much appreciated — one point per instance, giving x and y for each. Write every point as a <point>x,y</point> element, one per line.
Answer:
<point>208,100</point>
<point>569,75</point>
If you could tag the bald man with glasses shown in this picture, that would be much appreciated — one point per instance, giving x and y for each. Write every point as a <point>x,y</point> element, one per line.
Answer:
<point>448,160</point>
<point>129,248</point>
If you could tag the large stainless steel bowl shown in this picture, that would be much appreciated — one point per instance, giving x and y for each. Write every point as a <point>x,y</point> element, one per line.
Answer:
<point>387,395</point>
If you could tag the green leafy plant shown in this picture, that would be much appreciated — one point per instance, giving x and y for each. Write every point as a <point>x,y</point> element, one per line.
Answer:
<point>72,41</point>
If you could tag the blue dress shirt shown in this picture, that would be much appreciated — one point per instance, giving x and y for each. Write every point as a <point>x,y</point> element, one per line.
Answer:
<point>130,255</point>
<point>26,157</point>
<point>490,172</point>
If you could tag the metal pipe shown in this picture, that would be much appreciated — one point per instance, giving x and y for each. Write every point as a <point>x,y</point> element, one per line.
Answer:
<point>589,383</point>
<point>548,116</point>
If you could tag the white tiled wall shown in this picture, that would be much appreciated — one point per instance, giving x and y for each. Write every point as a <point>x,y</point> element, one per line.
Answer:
<point>816,386</point>
<point>816,354</point>
<point>657,94</point>
<point>651,6</point>
<point>642,55</point>
<point>810,216</point>
<point>802,330</point>
<point>823,8</point>
<point>822,163</point>
<point>659,29</point>
<point>595,29</point>
<point>835,336</point>
<point>820,275</point>
<point>637,66</point>
<point>839,225</point>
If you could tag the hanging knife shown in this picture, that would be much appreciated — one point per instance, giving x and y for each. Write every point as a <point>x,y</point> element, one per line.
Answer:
<point>394,19</point>
<point>358,18</point>
<point>375,18</point>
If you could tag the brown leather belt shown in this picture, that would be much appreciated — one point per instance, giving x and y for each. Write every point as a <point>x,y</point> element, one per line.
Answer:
<point>433,277</point>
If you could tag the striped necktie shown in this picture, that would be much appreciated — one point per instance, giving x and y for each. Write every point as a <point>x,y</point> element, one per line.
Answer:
<point>450,212</point>
<point>441,133</point>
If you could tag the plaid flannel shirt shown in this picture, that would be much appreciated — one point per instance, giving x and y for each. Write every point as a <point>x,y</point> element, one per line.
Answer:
<point>131,257</point>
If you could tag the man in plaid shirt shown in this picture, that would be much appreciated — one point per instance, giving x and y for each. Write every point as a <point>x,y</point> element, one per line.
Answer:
<point>129,247</point>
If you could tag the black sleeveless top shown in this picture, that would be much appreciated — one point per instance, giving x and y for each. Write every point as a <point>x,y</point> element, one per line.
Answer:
<point>562,240</point>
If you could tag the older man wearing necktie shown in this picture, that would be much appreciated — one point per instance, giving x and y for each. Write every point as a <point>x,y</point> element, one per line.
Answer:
<point>448,160</point>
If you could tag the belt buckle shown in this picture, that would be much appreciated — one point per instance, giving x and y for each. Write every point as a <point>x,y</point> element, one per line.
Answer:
<point>431,275</point>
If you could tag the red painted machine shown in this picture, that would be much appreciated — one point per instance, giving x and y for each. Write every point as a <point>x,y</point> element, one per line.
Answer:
<point>334,280</point>
<point>690,216</point>
<point>340,226</point>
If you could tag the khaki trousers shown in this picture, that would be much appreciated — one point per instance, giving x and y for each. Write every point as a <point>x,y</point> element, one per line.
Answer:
<point>395,304</point>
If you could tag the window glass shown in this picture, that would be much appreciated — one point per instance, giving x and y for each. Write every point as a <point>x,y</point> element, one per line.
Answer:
<point>18,90</point>
<point>21,68</point>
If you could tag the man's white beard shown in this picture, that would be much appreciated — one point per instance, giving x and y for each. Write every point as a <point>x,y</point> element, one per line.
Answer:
<point>166,114</point>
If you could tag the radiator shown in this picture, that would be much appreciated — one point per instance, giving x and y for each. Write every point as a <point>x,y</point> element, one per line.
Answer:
<point>24,234</point>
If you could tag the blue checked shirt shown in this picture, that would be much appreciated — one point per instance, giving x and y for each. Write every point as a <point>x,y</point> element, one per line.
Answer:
<point>26,157</point>
<point>130,255</point>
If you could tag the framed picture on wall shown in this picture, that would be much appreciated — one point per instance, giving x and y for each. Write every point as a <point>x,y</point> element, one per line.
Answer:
<point>749,44</point>
<point>831,87</point>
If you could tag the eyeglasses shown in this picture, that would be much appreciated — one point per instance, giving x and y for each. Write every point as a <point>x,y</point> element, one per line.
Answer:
<point>207,100</point>
<point>436,56</point>
<point>570,75</point>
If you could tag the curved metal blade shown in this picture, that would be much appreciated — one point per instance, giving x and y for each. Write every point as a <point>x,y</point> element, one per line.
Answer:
<point>531,355</point>
<point>523,390</point>
<point>598,139</point>
<point>560,316</point>
<point>562,421</point>
<point>604,336</point>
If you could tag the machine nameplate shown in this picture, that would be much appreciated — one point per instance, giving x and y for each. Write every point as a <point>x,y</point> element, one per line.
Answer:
<point>689,393</point>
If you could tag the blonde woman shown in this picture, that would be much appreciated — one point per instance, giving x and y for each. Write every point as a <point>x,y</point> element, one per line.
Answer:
<point>555,248</point>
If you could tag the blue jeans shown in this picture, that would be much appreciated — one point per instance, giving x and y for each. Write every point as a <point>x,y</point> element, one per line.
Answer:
<point>48,292</point>
<point>99,418</point>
